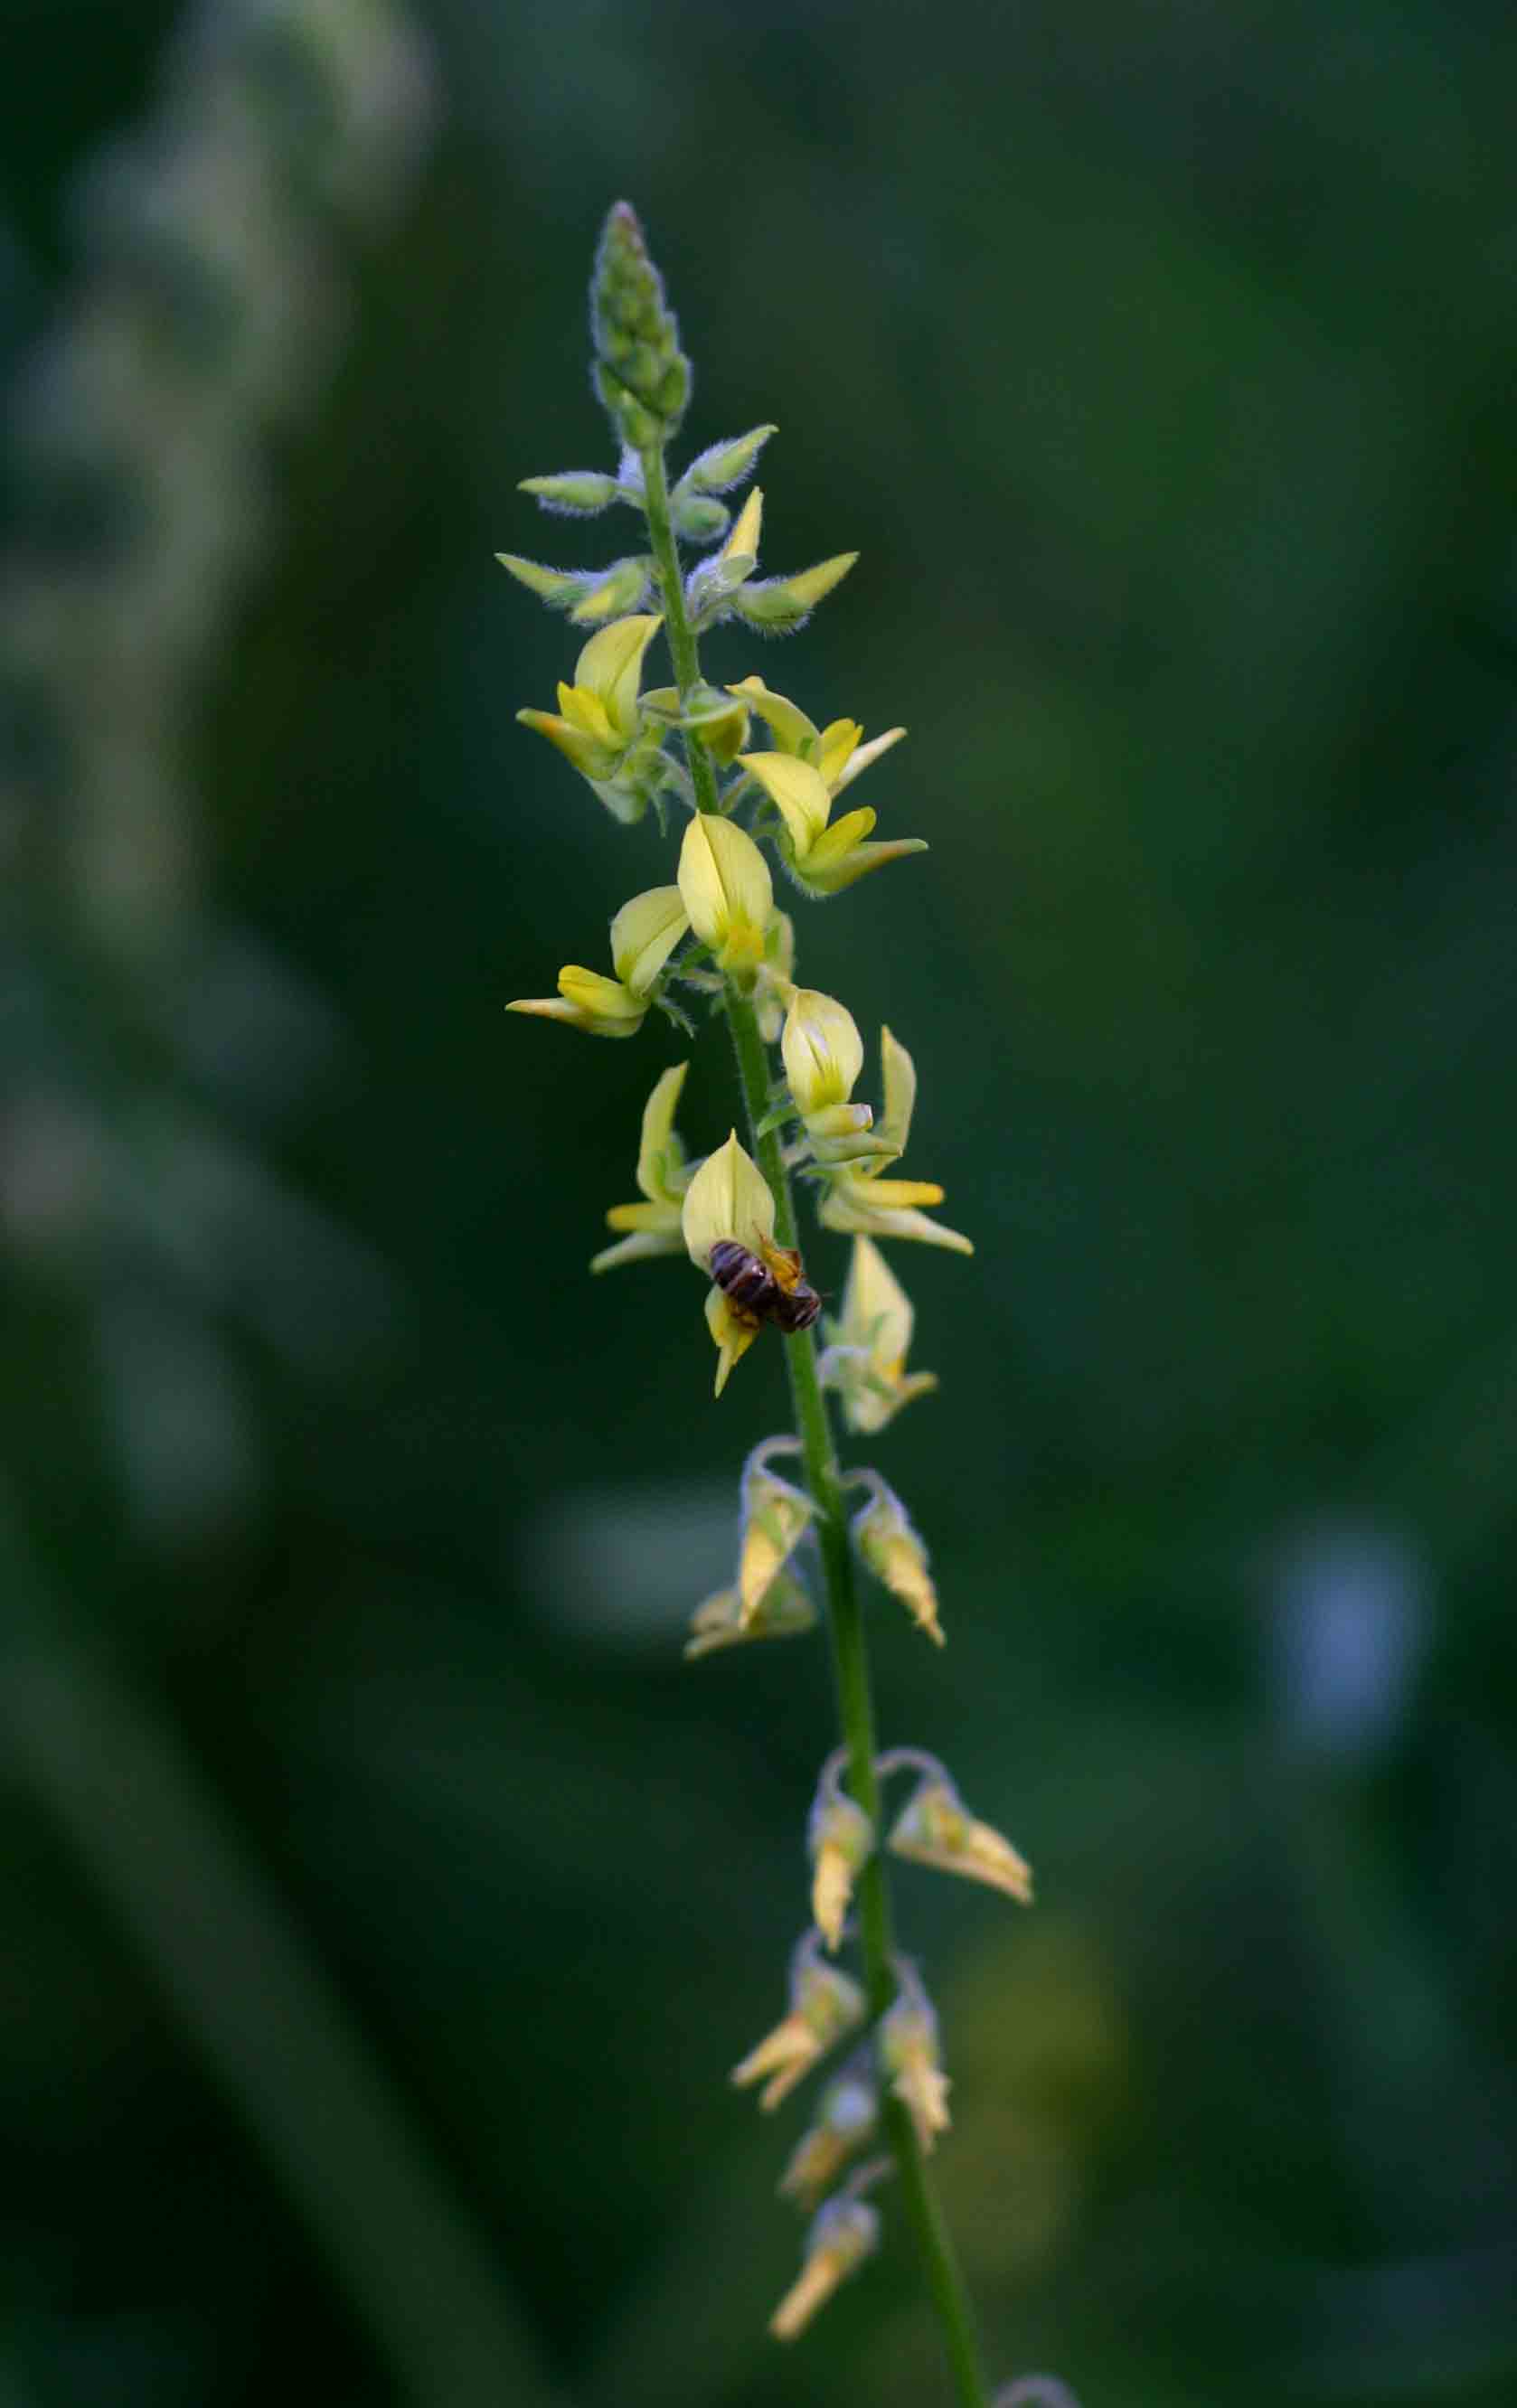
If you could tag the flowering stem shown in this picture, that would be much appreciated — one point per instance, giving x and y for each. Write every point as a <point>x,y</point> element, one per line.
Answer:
<point>845,1618</point>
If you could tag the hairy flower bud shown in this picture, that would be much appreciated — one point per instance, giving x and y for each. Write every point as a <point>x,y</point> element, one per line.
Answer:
<point>641,375</point>
<point>576,494</point>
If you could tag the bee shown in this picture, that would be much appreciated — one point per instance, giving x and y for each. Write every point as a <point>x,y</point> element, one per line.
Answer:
<point>768,1290</point>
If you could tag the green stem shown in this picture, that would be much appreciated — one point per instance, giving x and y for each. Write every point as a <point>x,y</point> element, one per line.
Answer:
<point>819,1454</point>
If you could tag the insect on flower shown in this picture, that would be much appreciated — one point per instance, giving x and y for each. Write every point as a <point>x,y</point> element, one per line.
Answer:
<point>768,1289</point>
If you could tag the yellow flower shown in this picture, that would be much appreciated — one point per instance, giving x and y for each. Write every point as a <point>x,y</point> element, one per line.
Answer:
<point>840,2239</point>
<point>825,859</point>
<point>863,1204</point>
<point>644,934</point>
<point>895,1555</point>
<point>837,750</point>
<point>908,2052</point>
<point>597,723</point>
<point>866,1361</point>
<point>823,2005</point>
<point>727,891</point>
<point>935,1829</point>
<point>847,2121</point>
<point>840,1838</point>
<point>663,1175</point>
<point>824,1054</point>
<point>783,1612</point>
<point>728,1198</point>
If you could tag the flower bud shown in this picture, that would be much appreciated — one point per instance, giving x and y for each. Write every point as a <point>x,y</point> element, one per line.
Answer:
<point>842,2236</point>
<point>935,1829</point>
<point>781,605</point>
<point>697,518</point>
<point>847,2120</point>
<point>895,1555</point>
<point>641,375</point>
<point>722,465</point>
<point>841,1840</point>
<point>577,493</point>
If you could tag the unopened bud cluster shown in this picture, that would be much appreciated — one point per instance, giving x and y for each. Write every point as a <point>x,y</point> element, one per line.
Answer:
<point>742,782</point>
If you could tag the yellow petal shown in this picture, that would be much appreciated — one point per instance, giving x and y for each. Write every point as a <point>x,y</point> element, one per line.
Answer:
<point>733,1334</point>
<point>836,841</point>
<point>866,755</point>
<point>877,1310</point>
<point>645,933</point>
<point>587,753</point>
<point>789,724</point>
<point>727,891</point>
<point>798,791</point>
<point>824,1051</point>
<point>745,531</point>
<point>728,1198</point>
<point>610,665</point>
<point>859,861</point>
<point>838,743</point>
<point>584,708</point>
<point>605,999</point>
<point>898,1079</point>
<point>659,1154</point>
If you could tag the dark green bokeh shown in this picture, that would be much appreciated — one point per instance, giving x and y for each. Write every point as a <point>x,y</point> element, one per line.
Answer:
<point>1159,362</point>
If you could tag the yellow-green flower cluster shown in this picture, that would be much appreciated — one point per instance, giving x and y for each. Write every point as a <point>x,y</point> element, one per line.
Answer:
<point>759,782</point>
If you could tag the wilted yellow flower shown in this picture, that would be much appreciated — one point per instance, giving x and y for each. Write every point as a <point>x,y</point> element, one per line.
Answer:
<point>823,2006</point>
<point>644,934</point>
<point>783,1612</point>
<point>841,1838</point>
<point>825,859</point>
<point>775,1518</point>
<point>847,2120</point>
<point>859,1201</point>
<point>895,1555</point>
<point>661,1174</point>
<point>866,1361</point>
<point>908,2052</point>
<point>840,2239</point>
<point>935,1829</point>
<point>727,891</point>
<point>597,722</point>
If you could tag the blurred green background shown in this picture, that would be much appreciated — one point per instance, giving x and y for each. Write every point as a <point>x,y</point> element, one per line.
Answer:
<point>385,1901</point>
